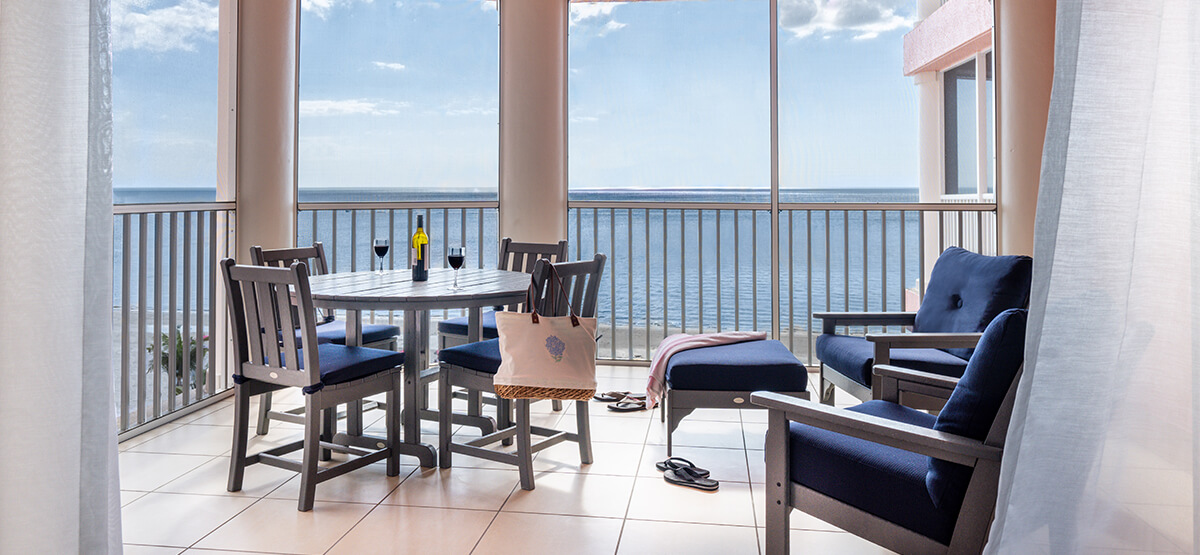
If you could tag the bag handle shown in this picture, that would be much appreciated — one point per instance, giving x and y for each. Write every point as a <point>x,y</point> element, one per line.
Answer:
<point>554,282</point>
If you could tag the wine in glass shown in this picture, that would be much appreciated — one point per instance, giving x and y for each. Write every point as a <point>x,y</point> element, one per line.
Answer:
<point>381,250</point>
<point>456,258</point>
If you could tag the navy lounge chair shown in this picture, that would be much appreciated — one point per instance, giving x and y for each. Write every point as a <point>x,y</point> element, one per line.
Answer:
<point>896,476</point>
<point>966,291</point>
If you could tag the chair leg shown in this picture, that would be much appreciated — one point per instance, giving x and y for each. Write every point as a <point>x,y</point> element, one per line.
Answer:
<point>584,429</point>
<point>264,417</point>
<point>327,428</point>
<point>662,409</point>
<point>312,447</point>
<point>392,417</point>
<point>524,445</point>
<point>241,429</point>
<point>504,418</point>
<point>474,403</point>
<point>827,389</point>
<point>778,499</point>
<point>444,432</point>
<point>556,405</point>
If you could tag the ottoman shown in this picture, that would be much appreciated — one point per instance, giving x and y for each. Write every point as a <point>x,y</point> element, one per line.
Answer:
<point>723,376</point>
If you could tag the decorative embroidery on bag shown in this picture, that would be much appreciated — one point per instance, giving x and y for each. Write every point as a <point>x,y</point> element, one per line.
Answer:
<point>555,346</point>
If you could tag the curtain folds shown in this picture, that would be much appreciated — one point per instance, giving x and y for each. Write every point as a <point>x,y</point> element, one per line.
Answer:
<point>1102,453</point>
<point>60,489</point>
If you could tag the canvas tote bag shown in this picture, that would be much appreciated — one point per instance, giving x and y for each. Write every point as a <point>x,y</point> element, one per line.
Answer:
<point>546,357</point>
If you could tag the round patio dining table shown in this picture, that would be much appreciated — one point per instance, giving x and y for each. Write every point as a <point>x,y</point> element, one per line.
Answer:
<point>355,292</point>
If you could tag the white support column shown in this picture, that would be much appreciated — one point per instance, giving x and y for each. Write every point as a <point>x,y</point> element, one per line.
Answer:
<point>533,119</point>
<point>1024,58</point>
<point>931,168</point>
<point>263,90</point>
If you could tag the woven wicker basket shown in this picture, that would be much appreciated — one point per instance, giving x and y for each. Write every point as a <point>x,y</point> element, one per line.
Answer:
<point>525,392</point>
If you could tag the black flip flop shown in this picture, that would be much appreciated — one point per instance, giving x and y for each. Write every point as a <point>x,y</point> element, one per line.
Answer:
<point>676,462</point>
<point>685,476</point>
<point>628,404</point>
<point>614,396</point>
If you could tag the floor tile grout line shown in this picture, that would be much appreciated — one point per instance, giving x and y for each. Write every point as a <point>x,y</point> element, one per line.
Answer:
<point>637,475</point>
<point>746,454</point>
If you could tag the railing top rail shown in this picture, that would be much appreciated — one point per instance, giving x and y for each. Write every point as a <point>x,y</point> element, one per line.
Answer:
<point>657,205</point>
<point>892,206</point>
<point>401,205</point>
<point>150,208</point>
<point>855,206</point>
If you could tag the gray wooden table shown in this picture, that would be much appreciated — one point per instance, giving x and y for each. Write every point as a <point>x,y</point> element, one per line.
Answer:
<point>355,292</point>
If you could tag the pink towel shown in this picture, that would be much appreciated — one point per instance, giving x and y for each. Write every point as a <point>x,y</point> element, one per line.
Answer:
<point>682,342</point>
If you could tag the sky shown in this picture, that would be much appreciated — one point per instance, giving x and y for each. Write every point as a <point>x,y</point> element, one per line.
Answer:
<point>403,95</point>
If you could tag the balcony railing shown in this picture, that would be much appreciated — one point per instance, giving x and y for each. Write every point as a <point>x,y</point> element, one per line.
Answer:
<point>165,306</point>
<point>703,267</point>
<point>672,267</point>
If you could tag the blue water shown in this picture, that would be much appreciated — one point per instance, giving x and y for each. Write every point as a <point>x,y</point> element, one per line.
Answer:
<point>695,294</point>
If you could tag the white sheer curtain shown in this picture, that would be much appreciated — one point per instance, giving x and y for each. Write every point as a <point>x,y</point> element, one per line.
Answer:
<point>59,492</point>
<point>1102,451</point>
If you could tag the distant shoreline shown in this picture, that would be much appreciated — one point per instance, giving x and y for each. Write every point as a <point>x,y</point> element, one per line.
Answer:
<point>136,195</point>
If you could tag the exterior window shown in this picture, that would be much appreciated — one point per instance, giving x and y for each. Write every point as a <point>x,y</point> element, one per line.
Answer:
<point>848,117</point>
<point>670,97</point>
<point>399,101</point>
<point>962,132</point>
<point>164,95</point>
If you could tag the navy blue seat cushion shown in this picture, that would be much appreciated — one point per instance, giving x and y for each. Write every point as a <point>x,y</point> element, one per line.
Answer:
<point>967,290</point>
<point>881,480</point>
<point>458,326</point>
<point>976,399</point>
<point>340,363</point>
<point>482,356</point>
<point>748,366</point>
<point>335,332</point>
<point>854,357</point>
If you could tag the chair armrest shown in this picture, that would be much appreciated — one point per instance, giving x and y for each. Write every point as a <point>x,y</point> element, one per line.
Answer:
<point>831,320</point>
<point>924,441</point>
<point>919,340</point>
<point>909,375</point>
<point>893,381</point>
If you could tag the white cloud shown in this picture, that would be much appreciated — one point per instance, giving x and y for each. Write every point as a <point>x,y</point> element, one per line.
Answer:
<point>179,27</point>
<point>321,8</point>
<point>866,19</point>
<point>597,15</point>
<point>351,107</point>
<point>472,107</point>
<point>394,66</point>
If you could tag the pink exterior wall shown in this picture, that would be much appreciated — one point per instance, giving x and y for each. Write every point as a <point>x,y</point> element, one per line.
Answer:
<point>955,31</point>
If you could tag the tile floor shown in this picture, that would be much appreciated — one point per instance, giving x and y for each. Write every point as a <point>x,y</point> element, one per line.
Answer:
<point>174,498</point>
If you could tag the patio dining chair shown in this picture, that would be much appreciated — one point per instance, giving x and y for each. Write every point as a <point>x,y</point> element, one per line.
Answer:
<point>966,291</point>
<point>329,329</point>
<point>891,474</point>
<point>474,366</point>
<point>260,301</point>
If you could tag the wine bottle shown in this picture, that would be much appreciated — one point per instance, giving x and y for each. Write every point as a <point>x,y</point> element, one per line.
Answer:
<point>420,252</point>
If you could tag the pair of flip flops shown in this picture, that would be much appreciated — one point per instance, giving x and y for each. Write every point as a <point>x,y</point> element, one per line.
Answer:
<point>622,401</point>
<point>680,471</point>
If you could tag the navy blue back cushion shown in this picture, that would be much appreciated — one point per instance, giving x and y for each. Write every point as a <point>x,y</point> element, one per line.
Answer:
<point>976,399</point>
<point>967,290</point>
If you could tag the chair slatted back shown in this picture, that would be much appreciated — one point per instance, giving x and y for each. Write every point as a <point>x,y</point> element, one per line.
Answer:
<point>523,257</point>
<point>580,282</point>
<point>263,350</point>
<point>313,257</point>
